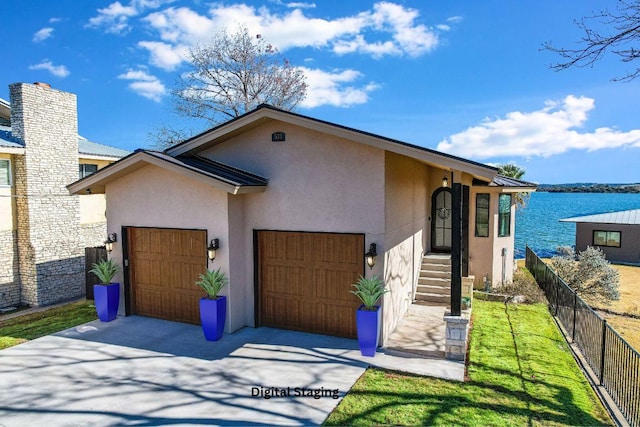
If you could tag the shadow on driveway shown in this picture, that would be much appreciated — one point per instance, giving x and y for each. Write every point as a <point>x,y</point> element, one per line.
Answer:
<point>142,371</point>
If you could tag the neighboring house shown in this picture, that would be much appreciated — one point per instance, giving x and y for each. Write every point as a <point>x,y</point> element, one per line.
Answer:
<point>295,203</point>
<point>616,233</point>
<point>44,230</point>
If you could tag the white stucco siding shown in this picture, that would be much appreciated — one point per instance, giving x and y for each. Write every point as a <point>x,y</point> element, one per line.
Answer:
<point>153,197</point>
<point>317,183</point>
<point>407,203</point>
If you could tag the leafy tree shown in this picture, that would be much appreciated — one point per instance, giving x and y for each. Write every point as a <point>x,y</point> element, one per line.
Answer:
<point>621,38</point>
<point>591,276</point>
<point>233,74</point>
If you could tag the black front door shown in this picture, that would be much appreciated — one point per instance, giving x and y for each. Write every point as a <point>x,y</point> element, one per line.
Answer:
<point>441,220</point>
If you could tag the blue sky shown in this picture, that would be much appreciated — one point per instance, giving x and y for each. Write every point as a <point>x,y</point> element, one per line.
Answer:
<point>465,77</point>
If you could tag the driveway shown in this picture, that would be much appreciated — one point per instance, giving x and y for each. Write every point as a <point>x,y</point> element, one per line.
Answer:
<point>142,371</point>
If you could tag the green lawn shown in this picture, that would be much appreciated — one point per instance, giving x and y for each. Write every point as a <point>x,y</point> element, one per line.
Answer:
<point>521,373</point>
<point>31,326</point>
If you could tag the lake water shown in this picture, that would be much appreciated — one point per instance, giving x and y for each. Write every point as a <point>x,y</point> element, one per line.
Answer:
<point>538,225</point>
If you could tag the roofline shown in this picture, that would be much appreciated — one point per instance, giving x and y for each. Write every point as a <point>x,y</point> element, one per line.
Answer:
<point>12,150</point>
<point>95,183</point>
<point>266,112</point>
<point>97,156</point>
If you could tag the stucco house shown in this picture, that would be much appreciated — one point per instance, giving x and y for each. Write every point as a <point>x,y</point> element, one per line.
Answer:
<point>617,234</point>
<point>295,203</point>
<point>43,229</point>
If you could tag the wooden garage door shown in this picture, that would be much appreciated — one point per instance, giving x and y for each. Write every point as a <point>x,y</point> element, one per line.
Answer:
<point>164,265</point>
<point>305,279</point>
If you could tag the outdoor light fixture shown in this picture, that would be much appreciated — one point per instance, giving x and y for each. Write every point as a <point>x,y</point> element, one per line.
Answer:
<point>445,180</point>
<point>371,255</point>
<point>111,239</point>
<point>212,248</point>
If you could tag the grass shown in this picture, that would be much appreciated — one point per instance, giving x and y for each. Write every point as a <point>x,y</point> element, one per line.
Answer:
<point>31,326</point>
<point>521,373</point>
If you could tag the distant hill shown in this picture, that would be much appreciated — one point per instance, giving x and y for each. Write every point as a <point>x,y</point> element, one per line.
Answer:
<point>589,187</point>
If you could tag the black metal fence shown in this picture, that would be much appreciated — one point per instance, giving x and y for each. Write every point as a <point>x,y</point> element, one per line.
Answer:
<point>612,359</point>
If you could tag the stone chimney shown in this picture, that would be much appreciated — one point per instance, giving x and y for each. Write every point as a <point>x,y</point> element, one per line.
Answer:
<point>49,251</point>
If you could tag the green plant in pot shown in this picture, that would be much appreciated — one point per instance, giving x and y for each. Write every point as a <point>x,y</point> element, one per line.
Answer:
<point>368,316</point>
<point>213,307</point>
<point>106,294</point>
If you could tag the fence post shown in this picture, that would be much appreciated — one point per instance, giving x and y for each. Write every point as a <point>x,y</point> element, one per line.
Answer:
<point>575,303</point>
<point>602,352</point>
<point>555,283</point>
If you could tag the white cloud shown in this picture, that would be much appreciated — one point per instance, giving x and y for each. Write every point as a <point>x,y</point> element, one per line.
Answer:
<point>335,88</point>
<point>56,70</point>
<point>294,4</point>
<point>43,34</point>
<point>115,17</point>
<point>386,29</point>
<point>443,27</point>
<point>455,19</point>
<point>145,84</point>
<point>546,132</point>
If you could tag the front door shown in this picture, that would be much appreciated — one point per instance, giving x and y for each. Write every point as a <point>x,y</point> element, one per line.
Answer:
<point>441,220</point>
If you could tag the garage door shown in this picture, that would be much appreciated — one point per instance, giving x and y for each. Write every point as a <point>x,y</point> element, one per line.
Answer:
<point>304,281</point>
<point>164,265</point>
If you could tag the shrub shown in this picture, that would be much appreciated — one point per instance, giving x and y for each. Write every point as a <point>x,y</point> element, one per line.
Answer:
<point>524,286</point>
<point>588,273</point>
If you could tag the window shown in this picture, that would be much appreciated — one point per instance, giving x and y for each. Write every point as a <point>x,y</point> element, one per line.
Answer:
<point>482,215</point>
<point>504,215</point>
<point>87,169</point>
<point>5,172</point>
<point>606,238</point>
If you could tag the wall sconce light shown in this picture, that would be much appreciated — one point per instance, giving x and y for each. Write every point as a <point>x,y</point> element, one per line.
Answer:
<point>445,180</point>
<point>111,239</point>
<point>212,248</point>
<point>371,255</point>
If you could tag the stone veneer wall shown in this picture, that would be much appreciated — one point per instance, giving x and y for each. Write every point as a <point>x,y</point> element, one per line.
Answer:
<point>9,277</point>
<point>93,234</point>
<point>50,251</point>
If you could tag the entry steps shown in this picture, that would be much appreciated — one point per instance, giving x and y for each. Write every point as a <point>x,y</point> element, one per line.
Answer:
<point>434,282</point>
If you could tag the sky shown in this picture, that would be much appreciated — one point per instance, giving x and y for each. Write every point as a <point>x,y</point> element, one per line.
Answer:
<point>467,78</point>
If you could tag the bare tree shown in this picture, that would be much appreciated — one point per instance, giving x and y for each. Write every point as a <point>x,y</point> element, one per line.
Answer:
<point>233,74</point>
<point>622,39</point>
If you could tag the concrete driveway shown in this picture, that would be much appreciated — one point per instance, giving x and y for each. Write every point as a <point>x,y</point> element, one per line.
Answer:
<point>142,371</point>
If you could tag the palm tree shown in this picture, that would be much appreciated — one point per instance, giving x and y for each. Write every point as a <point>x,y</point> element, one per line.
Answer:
<point>511,170</point>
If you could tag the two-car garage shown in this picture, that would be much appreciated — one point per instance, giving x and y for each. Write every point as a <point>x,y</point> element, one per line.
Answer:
<point>303,279</point>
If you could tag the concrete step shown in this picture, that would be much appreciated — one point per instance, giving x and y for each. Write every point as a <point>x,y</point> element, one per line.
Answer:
<point>434,281</point>
<point>413,352</point>
<point>435,299</point>
<point>437,259</point>
<point>439,274</point>
<point>430,289</point>
<point>435,267</point>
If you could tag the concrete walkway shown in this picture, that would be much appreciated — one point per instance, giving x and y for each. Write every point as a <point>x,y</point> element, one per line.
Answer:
<point>421,332</point>
<point>143,371</point>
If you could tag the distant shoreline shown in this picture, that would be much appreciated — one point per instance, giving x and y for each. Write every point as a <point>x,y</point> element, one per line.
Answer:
<point>589,188</point>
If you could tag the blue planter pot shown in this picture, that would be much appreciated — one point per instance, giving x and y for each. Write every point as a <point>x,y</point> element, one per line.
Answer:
<point>368,326</point>
<point>106,299</point>
<point>213,313</point>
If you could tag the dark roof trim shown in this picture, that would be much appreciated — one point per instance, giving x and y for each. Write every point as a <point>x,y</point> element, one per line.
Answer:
<point>504,181</point>
<point>326,123</point>
<point>230,179</point>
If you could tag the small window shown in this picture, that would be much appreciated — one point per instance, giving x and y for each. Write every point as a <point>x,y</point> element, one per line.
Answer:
<point>606,238</point>
<point>5,172</point>
<point>504,215</point>
<point>87,169</point>
<point>482,215</point>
